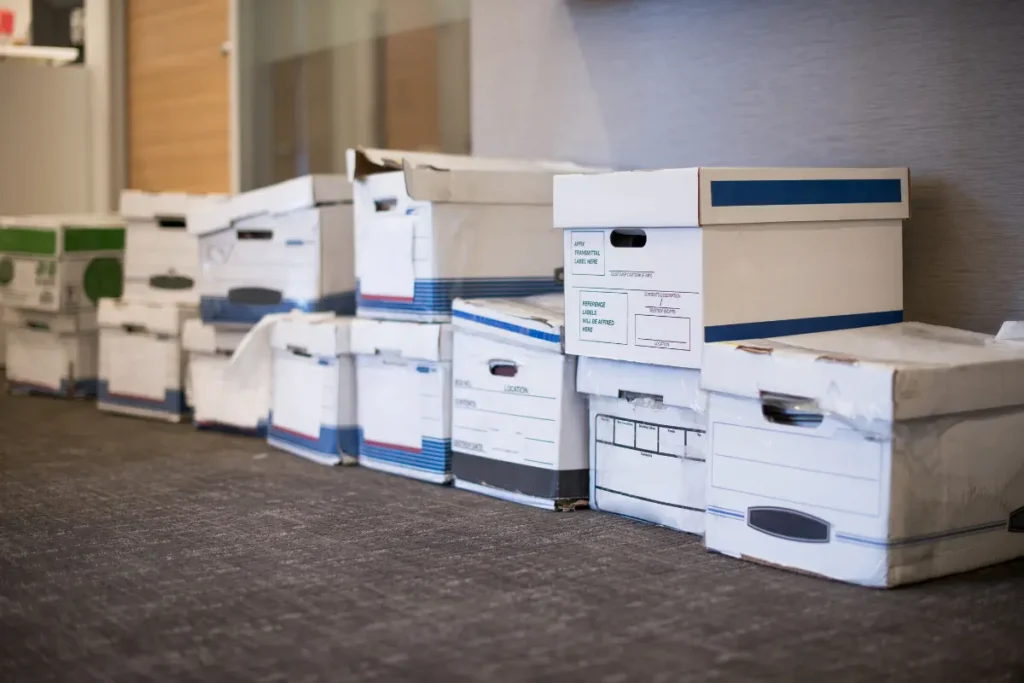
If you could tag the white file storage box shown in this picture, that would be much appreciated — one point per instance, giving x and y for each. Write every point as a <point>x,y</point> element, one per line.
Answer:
<point>280,248</point>
<point>659,263</point>
<point>313,395</point>
<point>60,263</point>
<point>161,260</point>
<point>403,370</point>
<point>519,429</point>
<point>217,403</point>
<point>142,363</point>
<point>433,227</point>
<point>878,456</point>
<point>647,441</point>
<point>51,354</point>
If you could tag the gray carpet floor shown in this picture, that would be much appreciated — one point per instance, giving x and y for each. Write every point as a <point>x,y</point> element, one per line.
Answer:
<point>133,550</point>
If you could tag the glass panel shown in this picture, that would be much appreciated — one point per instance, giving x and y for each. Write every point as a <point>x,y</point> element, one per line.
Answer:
<point>320,76</point>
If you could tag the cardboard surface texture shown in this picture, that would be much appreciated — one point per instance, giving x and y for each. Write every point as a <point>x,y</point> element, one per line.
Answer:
<point>659,263</point>
<point>878,456</point>
<point>51,354</point>
<point>647,441</point>
<point>60,263</point>
<point>519,429</point>
<point>216,402</point>
<point>276,249</point>
<point>142,363</point>
<point>403,371</point>
<point>313,404</point>
<point>433,227</point>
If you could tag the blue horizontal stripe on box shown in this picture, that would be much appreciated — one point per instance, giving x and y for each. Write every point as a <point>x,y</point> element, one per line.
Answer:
<point>172,402</point>
<point>331,440</point>
<point>998,525</point>
<point>435,296</point>
<point>785,328</point>
<point>218,309</point>
<point>509,327</point>
<point>805,192</point>
<point>435,456</point>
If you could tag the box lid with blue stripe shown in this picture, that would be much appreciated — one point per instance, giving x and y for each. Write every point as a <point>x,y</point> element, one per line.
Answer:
<point>400,339</point>
<point>708,197</point>
<point>536,321</point>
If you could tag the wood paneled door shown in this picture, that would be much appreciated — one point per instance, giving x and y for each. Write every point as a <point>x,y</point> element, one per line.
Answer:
<point>178,95</point>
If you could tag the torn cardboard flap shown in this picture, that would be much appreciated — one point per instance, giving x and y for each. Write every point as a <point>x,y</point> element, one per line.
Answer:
<point>408,340</point>
<point>889,372</point>
<point>445,178</point>
<point>532,321</point>
<point>679,387</point>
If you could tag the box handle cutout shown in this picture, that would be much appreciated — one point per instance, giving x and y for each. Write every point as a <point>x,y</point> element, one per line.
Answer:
<point>298,351</point>
<point>255,234</point>
<point>791,525</point>
<point>790,411</point>
<point>33,325</point>
<point>503,368</point>
<point>171,222</point>
<point>131,328</point>
<point>634,396</point>
<point>1016,523</point>
<point>630,238</point>
<point>385,204</point>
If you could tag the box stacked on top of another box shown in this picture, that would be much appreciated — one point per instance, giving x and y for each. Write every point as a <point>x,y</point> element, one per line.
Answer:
<point>54,271</point>
<point>142,364</point>
<point>431,228</point>
<point>660,263</point>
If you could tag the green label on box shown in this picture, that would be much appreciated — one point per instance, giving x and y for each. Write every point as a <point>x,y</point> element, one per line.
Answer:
<point>93,239</point>
<point>28,241</point>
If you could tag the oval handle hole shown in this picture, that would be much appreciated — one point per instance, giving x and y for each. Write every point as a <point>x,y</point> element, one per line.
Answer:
<point>255,234</point>
<point>630,238</point>
<point>385,204</point>
<point>172,222</point>
<point>133,329</point>
<point>299,351</point>
<point>790,411</point>
<point>503,368</point>
<point>633,396</point>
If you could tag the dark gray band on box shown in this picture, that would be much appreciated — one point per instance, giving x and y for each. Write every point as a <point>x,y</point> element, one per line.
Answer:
<point>525,479</point>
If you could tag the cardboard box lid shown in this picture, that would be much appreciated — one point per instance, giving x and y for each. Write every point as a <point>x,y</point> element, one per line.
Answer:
<point>705,197</point>
<point>462,179</point>
<point>197,337</point>
<point>137,205</point>
<point>83,321</point>
<point>318,337</point>
<point>144,316</point>
<point>530,321</point>
<point>291,195</point>
<point>679,387</point>
<point>885,373</point>
<point>409,340</point>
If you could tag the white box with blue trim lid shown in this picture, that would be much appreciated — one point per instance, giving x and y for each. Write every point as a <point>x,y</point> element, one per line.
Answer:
<point>217,402</point>
<point>404,372</point>
<point>660,263</point>
<point>519,429</point>
<point>877,456</point>
<point>276,249</point>
<point>647,441</point>
<point>313,394</point>
<point>433,227</point>
<point>142,363</point>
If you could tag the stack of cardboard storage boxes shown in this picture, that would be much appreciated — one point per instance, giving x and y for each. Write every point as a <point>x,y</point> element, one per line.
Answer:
<point>142,364</point>
<point>54,270</point>
<point>659,264</point>
<point>265,254</point>
<point>431,228</point>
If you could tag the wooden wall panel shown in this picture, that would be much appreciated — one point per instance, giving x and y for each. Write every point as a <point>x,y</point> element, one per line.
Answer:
<point>178,95</point>
<point>412,111</point>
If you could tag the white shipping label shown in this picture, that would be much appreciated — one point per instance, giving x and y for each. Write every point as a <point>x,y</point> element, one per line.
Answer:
<point>506,401</point>
<point>385,257</point>
<point>389,402</point>
<point>298,393</point>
